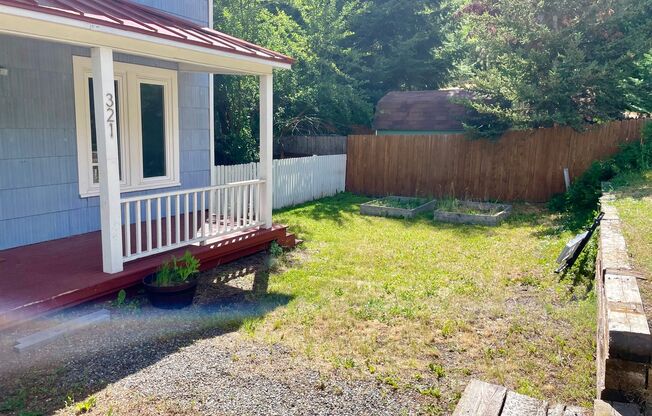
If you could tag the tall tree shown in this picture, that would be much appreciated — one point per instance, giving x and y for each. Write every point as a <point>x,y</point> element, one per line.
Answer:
<point>552,62</point>
<point>317,96</point>
<point>398,41</point>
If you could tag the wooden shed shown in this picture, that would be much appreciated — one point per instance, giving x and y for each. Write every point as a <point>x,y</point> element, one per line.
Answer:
<point>420,112</point>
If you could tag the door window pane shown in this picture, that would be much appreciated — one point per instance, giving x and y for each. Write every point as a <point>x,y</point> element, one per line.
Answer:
<point>94,162</point>
<point>153,129</point>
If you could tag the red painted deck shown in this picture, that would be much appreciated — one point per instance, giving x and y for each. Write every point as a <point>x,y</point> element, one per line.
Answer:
<point>43,277</point>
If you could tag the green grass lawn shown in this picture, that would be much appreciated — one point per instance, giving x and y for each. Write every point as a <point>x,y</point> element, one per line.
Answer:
<point>634,204</point>
<point>428,306</point>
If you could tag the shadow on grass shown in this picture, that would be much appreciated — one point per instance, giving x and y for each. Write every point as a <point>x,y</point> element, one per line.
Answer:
<point>142,338</point>
<point>339,209</point>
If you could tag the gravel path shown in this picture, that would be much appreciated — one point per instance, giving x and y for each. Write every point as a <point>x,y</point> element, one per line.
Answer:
<point>228,375</point>
<point>152,362</point>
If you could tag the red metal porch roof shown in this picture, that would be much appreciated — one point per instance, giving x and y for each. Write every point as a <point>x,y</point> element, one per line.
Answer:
<point>125,15</point>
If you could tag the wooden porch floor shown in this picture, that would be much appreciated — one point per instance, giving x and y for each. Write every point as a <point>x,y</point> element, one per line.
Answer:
<point>47,276</point>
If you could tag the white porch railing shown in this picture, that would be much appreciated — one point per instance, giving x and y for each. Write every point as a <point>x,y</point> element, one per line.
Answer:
<point>157,223</point>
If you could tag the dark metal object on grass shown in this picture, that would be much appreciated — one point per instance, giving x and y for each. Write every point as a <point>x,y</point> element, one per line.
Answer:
<point>574,247</point>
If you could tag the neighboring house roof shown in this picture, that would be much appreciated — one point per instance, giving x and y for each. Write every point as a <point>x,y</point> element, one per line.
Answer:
<point>420,111</point>
<point>125,15</point>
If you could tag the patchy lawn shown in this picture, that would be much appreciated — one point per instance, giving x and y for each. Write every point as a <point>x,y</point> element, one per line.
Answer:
<point>634,204</point>
<point>427,306</point>
<point>371,316</point>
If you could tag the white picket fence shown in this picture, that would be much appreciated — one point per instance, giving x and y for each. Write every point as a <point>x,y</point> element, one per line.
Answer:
<point>296,180</point>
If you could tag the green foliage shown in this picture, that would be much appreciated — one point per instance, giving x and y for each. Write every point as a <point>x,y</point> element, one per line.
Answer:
<point>582,273</point>
<point>404,203</point>
<point>438,369</point>
<point>177,271</point>
<point>14,403</point>
<point>552,62</point>
<point>580,202</point>
<point>275,249</point>
<point>85,406</point>
<point>348,53</point>
<point>398,41</point>
<point>122,302</point>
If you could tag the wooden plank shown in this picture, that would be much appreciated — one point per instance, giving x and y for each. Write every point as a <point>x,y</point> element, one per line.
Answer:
<point>481,399</point>
<point>47,335</point>
<point>519,405</point>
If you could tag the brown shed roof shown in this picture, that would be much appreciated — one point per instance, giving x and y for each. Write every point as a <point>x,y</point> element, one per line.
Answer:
<point>420,110</point>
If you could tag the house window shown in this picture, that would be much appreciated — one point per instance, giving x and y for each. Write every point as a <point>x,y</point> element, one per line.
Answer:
<point>147,124</point>
<point>152,107</point>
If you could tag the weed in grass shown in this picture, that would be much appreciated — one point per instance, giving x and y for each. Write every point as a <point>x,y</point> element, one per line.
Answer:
<point>69,401</point>
<point>449,328</point>
<point>250,324</point>
<point>390,380</point>
<point>437,369</point>
<point>527,388</point>
<point>122,302</point>
<point>371,368</point>
<point>86,405</point>
<point>338,291</point>
<point>431,391</point>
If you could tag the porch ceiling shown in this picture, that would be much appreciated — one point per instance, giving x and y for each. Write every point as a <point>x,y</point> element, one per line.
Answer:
<point>131,28</point>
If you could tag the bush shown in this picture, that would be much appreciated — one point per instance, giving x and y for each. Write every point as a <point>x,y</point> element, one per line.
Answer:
<point>580,202</point>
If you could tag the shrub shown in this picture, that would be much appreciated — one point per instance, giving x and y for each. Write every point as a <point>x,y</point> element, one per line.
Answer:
<point>177,271</point>
<point>580,201</point>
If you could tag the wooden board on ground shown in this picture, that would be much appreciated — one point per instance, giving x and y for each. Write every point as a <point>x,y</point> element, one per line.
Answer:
<point>484,399</point>
<point>520,405</point>
<point>46,335</point>
<point>481,398</point>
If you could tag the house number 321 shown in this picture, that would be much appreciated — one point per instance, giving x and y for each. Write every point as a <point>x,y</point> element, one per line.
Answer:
<point>110,104</point>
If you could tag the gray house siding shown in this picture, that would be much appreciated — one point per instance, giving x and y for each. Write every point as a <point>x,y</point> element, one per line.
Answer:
<point>39,190</point>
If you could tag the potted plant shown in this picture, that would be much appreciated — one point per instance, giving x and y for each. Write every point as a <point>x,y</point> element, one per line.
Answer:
<point>173,286</point>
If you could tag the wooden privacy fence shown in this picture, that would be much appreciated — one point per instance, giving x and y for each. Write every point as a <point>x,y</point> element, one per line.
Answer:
<point>520,166</point>
<point>296,180</point>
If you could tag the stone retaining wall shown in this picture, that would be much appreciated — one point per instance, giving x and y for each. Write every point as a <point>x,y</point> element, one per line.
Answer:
<point>624,343</point>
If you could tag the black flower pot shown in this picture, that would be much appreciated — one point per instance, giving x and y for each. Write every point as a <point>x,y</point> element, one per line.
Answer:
<point>170,297</point>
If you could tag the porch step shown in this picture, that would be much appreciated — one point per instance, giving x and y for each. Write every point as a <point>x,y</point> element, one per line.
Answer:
<point>289,240</point>
<point>484,399</point>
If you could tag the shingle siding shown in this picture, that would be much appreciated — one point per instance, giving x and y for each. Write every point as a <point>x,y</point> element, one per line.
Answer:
<point>39,191</point>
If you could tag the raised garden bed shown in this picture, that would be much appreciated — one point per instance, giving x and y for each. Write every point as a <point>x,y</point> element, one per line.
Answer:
<point>397,206</point>
<point>468,212</point>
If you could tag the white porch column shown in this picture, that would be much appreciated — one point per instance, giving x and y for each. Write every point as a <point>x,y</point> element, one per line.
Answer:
<point>266,147</point>
<point>107,152</point>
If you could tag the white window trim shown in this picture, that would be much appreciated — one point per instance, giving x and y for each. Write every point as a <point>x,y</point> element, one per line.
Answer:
<point>129,77</point>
